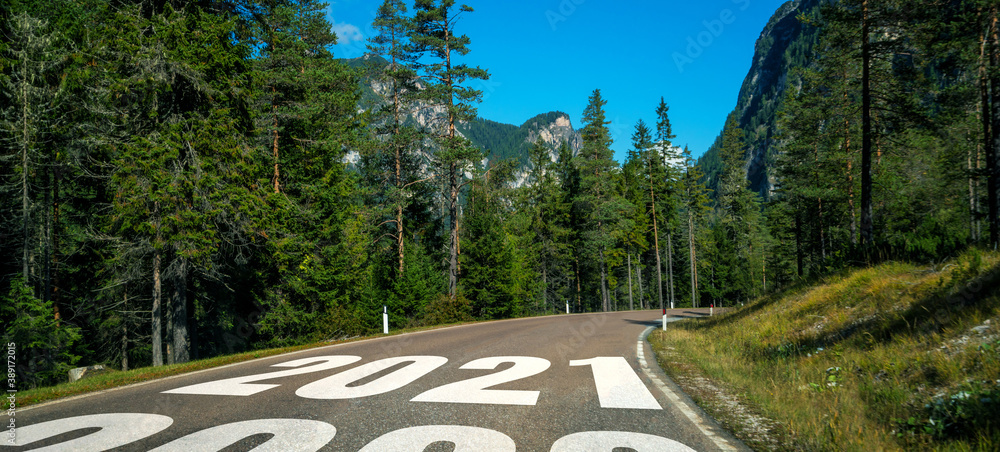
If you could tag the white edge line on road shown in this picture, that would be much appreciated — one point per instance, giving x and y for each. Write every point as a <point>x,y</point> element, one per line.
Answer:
<point>675,400</point>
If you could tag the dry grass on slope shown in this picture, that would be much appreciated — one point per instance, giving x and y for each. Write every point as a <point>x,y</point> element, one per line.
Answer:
<point>895,357</point>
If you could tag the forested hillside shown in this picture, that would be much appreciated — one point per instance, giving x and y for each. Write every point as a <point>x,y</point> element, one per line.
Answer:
<point>175,180</point>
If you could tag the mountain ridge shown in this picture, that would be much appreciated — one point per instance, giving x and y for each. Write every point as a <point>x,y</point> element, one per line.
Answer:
<point>498,140</point>
<point>784,44</point>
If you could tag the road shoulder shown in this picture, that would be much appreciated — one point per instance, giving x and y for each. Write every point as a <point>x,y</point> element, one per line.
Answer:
<point>736,415</point>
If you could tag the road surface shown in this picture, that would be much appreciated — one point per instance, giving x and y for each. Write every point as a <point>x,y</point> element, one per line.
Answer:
<point>584,382</point>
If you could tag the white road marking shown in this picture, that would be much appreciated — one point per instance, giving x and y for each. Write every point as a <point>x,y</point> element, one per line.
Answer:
<point>474,390</point>
<point>676,401</point>
<point>116,429</point>
<point>241,386</point>
<point>617,440</point>
<point>465,439</point>
<point>618,386</point>
<point>289,435</point>
<point>338,386</point>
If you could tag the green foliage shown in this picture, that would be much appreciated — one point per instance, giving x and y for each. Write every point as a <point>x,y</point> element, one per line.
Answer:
<point>598,204</point>
<point>445,309</point>
<point>488,262</point>
<point>44,344</point>
<point>966,414</point>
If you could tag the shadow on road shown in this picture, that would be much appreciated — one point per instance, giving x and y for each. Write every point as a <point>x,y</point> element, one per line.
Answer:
<point>644,322</point>
<point>671,316</point>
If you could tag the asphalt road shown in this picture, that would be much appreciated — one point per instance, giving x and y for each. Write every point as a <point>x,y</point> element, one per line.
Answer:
<point>561,383</point>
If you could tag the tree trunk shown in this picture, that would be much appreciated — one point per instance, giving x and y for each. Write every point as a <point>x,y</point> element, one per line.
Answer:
<point>55,243</point>
<point>579,289</point>
<point>994,176</point>
<point>670,268</point>
<point>605,298</point>
<point>545,288</point>
<point>763,269</point>
<point>850,167</point>
<point>867,220</point>
<point>822,231</point>
<point>277,175</point>
<point>46,281</point>
<point>453,218</point>
<point>631,304</point>
<point>798,245</point>
<point>694,261</point>
<point>157,314</point>
<point>399,162</point>
<point>125,342</point>
<point>987,62</point>
<point>656,246</point>
<point>25,199</point>
<point>181,349</point>
<point>638,274</point>
<point>399,234</point>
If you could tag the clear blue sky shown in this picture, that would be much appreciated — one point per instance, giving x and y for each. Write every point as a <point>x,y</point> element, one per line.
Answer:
<point>546,55</point>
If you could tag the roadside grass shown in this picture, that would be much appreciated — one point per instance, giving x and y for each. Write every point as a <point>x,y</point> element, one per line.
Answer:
<point>895,357</point>
<point>116,378</point>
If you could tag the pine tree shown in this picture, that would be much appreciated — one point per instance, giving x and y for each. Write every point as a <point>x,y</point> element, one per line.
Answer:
<point>434,35</point>
<point>307,104</point>
<point>694,201</point>
<point>549,213</point>
<point>654,180</point>
<point>600,202</point>
<point>739,235</point>
<point>182,187</point>
<point>28,124</point>
<point>636,184</point>
<point>664,172</point>
<point>394,165</point>
<point>490,282</point>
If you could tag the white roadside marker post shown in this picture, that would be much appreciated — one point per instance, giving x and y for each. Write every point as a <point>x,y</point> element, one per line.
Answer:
<point>664,320</point>
<point>385,320</point>
<point>567,307</point>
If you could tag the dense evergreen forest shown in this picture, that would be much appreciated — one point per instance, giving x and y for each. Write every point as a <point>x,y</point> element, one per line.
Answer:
<point>175,186</point>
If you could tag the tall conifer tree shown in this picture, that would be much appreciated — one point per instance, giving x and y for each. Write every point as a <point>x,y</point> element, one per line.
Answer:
<point>434,35</point>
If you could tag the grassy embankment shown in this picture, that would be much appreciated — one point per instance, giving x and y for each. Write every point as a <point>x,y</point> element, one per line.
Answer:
<point>895,357</point>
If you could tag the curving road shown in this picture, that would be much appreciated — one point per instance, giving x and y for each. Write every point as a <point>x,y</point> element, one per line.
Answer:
<point>560,383</point>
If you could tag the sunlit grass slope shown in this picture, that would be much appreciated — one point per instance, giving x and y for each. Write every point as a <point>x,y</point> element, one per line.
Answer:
<point>895,357</point>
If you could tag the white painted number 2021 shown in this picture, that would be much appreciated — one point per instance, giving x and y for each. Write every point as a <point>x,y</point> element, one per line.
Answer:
<point>616,383</point>
<point>300,435</point>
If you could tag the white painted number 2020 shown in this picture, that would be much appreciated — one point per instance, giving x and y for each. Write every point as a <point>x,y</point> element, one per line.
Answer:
<point>300,435</point>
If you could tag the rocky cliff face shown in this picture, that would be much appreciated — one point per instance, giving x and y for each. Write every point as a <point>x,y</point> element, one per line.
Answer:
<point>497,140</point>
<point>785,43</point>
<point>554,131</point>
